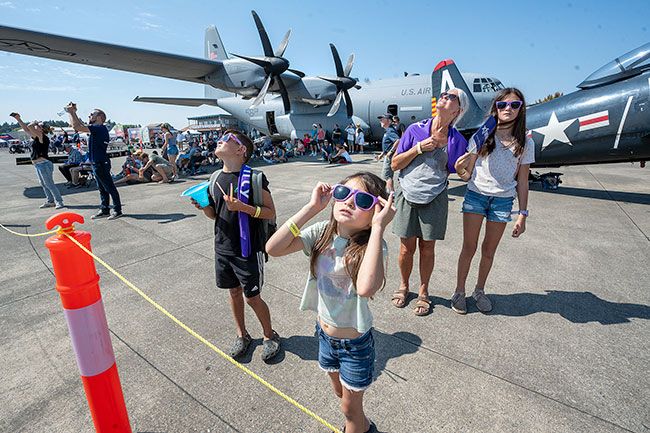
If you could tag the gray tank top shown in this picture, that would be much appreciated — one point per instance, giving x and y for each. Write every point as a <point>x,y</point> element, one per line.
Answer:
<point>425,177</point>
<point>171,141</point>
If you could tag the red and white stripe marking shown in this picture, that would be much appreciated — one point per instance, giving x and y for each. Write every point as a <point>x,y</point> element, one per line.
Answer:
<point>593,121</point>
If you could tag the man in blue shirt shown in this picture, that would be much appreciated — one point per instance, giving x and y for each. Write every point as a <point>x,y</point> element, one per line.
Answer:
<point>97,145</point>
<point>74,160</point>
<point>388,149</point>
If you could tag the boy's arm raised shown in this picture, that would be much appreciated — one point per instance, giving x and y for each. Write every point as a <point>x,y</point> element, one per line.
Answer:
<point>284,242</point>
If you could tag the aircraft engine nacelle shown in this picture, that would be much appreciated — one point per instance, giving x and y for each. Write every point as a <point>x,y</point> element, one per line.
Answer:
<point>238,76</point>
<point>314,91</point>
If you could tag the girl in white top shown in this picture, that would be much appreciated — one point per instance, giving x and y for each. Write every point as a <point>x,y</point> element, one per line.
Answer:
<point>500,172</point>
<point>347,246</point>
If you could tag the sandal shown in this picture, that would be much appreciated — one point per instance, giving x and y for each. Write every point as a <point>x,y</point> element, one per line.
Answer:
<point>399,298</point>
<point>240,346</point>
<point>271,347</point>
<point>422,306</point>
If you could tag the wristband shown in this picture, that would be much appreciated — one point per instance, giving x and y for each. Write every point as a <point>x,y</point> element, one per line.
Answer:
<point>258,211</point>
<point>523,212</point>
<point>419,148</point>
<point>293,228</point>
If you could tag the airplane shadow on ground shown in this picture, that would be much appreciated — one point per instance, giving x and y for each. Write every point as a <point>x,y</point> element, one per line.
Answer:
<point>576,307</point>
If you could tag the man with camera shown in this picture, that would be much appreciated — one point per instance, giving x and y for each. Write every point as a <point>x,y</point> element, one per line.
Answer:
<point>101,163</point>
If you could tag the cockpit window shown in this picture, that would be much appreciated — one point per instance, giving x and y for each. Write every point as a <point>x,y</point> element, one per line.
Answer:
<point>627,65</point>
<point>487,85</point>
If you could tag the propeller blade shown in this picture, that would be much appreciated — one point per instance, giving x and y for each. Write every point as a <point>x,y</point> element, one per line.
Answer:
<point>335,105</point>
<point>348,67</point>
<point>283,45</point>
<point>348,103</point>
<point>262,94</point>
<point>284,93</point>
<point>266,43</point>
<point>357,86</point>
<point>297,72</point>
<point>337,61</point>
<point>259,62</point>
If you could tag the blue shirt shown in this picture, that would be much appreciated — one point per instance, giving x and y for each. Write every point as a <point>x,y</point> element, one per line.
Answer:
<point>74,157</point>
<point>389,138</point>
<point>97,143</point>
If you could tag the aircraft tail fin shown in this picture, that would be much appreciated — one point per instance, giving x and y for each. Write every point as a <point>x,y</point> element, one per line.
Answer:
<point>445,76</point>
<point>214,50</point>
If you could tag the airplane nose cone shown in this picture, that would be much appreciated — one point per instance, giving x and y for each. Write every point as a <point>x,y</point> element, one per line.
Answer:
<point>279,65</point>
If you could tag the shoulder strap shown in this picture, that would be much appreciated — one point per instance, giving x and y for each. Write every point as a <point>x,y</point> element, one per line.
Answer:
<point>213,181</point>
<point>258,199</point>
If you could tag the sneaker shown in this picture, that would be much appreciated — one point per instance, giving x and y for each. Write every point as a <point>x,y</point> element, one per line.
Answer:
<point>240,346</point>
<point>47,204</point>
<point>482,301</point>
<point>271,347</point>
<point>115,215</point>
<point>458,303</point>
<point>59,206</point>
<point>100,214</point>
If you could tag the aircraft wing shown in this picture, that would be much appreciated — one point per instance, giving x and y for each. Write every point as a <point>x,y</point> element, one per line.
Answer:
<point>104,55</point>
<point>190,102</point>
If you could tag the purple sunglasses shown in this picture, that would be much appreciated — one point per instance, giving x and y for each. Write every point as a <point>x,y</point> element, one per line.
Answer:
<point>230,135</point>
<point>362,199</point>
<point>501,105</point>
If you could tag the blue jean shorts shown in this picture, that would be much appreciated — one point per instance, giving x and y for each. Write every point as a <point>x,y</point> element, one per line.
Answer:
<point>353,359</point>
<point>172,150</point>
<point>495,209</point>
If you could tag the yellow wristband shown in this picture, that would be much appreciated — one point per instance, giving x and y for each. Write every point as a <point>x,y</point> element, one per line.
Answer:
<point>293,228</point>
<point>258,211</point>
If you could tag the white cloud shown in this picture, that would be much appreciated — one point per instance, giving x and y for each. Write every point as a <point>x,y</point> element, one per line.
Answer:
<point>147,15</point>
<point>79,76</point>
<point>9,5</point>
<point>32,10</point>
<point>146,24</point>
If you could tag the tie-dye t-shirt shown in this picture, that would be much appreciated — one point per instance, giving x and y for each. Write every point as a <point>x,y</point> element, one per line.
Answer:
<point>331,294</point>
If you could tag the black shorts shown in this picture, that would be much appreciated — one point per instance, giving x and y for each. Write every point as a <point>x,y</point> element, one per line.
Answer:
<point>234,271</point>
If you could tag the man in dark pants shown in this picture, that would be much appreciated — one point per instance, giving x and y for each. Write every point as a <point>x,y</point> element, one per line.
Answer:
<point>97,144</point>
<point>74,160</point>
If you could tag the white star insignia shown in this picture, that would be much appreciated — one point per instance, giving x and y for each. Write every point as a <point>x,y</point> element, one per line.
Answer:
<point>555,131</point>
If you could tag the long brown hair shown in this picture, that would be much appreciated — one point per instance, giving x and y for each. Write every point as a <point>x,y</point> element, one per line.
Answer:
<point>356,248</point>
<point>519,128</point>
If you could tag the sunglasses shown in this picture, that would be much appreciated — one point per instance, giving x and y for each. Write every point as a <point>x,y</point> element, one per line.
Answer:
<point>230,135</point>
<point>501,105</point>
<point>362,199</point>
<point>449,96</point>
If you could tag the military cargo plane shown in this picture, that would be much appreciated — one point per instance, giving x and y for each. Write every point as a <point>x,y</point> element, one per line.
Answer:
<point>606,120</point>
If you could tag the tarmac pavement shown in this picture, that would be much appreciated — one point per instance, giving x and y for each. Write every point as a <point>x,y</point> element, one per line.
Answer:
<point>566,348</point>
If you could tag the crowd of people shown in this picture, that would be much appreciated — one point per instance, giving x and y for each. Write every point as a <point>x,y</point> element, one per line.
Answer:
<point>350,242</point>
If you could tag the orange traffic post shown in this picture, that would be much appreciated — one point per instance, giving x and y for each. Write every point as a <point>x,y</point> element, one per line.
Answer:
<point>78,285</point>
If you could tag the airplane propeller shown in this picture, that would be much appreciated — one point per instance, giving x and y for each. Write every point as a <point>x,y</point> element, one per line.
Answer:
<point>273,63</point>
<point>342,81</point>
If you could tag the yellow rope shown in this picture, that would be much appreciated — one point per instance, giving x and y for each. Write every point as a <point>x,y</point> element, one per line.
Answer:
<point>26,235</point>
<point>203,340</point>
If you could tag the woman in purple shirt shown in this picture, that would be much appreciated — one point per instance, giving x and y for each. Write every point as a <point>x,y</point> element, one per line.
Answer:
<point>421,199</point>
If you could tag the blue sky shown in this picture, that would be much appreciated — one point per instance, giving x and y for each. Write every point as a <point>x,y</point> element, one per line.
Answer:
<point>541,47</point>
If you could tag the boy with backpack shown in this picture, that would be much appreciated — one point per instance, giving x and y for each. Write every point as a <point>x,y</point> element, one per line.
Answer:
<point>242,208</point>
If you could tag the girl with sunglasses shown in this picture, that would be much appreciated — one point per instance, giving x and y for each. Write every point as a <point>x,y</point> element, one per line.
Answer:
<point>421,199</point>
<point>499,173</point>
<point>347,246</point>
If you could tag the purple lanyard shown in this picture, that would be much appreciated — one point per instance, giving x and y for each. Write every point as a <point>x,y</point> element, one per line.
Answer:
<point>243,193</point>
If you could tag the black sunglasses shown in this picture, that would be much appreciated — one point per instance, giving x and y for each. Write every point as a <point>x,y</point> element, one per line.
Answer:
<point>450,96</point>
<point>362,199</point>
<point>501,105</point>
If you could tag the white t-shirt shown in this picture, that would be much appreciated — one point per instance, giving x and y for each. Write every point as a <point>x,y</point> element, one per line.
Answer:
<point>332,293</point>
<point>347,156</point>
<point>495,174</point>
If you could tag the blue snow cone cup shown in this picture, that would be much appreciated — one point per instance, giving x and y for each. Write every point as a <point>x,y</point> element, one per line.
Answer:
<point>199,193</point>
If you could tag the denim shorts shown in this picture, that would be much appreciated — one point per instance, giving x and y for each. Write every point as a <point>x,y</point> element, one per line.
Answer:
<point>495,209</point>
<point>354,359</point>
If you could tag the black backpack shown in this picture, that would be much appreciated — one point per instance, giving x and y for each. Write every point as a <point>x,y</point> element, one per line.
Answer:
<point>266,227</point>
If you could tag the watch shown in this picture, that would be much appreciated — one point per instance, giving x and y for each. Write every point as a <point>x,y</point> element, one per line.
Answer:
<point>523,212</point>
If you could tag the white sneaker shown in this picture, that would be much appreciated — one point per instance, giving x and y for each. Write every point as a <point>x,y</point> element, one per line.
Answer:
<point>46,204</point>
<point>59,206</point>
